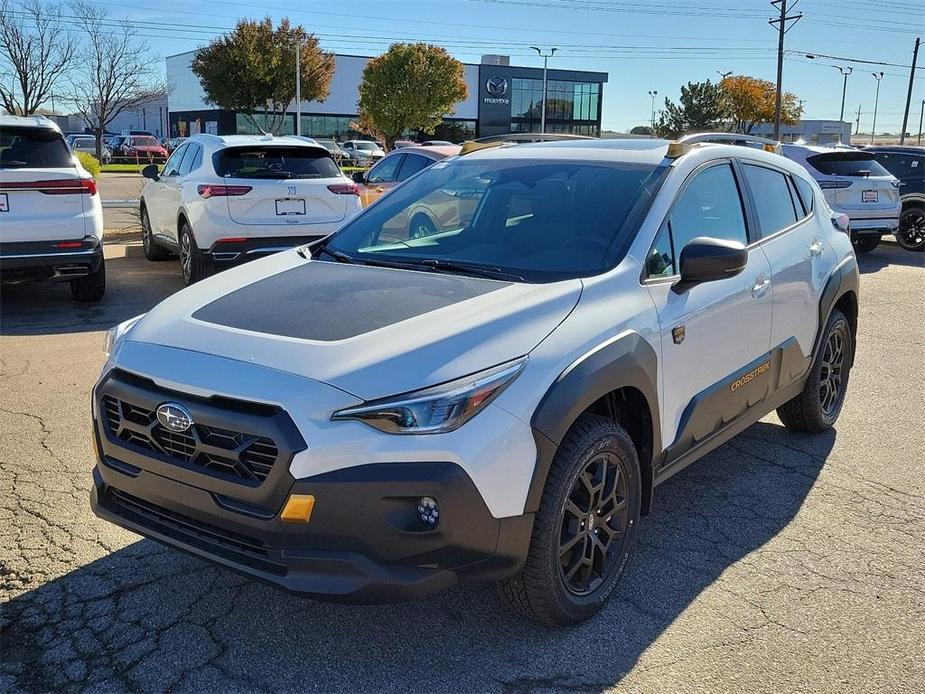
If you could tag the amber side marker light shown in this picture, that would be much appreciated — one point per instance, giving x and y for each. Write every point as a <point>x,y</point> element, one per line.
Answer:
<point>298,508</point>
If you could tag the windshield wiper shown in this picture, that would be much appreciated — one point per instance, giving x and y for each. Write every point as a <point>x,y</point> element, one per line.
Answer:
<point>496,273</point>
<point>270,174</point>
<point>13,162</point>
<point>337,255</point>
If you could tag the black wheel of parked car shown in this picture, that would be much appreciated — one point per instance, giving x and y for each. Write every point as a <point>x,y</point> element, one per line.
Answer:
<point>152,250</point>
<point>421,225</point>
<point>192,264</point>
<point>818,406</point>
<point>911,233</point>
<point>92,287</point>
<point>865,243</point>
<point>585,527</point>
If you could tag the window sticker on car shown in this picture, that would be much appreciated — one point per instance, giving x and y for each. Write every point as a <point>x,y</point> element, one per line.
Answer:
<point>914,164</point>
<point>4,203</point>
<point>440,165</point>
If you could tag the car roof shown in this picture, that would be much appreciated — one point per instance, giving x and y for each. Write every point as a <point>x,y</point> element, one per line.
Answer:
<point>431,152</point>
<point>899,149</point>
<point>28,121</point>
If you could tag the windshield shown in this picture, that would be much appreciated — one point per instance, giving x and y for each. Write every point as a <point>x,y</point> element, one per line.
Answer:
<point>366,146</point>
<point>144,142</point>
<point>529,220</point>
<point>847,164</point>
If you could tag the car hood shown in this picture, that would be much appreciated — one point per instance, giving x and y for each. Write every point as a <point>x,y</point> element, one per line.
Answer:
<point>369,331</point>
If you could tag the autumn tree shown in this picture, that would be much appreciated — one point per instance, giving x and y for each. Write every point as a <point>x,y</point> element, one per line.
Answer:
<point>750,102</point>
<point>411,85</point>
<point>252,70</point>
<point>700,108</point>
<point>36,52</point>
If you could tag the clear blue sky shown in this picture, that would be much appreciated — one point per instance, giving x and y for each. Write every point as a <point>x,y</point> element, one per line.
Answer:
<point>644,45</point>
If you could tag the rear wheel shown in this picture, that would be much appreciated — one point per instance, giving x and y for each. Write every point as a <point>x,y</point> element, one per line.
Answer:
<point>192,264</point>
<point>151,249</point>
<point>92,287</point>
<point>421,225</point>
<point>585,527</point>
<point>818,406</point>
<point>865,243</point>
<point>911,232</point>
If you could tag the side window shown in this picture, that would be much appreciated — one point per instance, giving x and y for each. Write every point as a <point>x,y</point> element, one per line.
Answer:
<point>805,189</point>
<point>709,206</point>
<point>660,261</point>
<point>773,201</point>
<point>186,165</point>
<point>413,164</point>
<point>173,163</point>
<point>385,170</point>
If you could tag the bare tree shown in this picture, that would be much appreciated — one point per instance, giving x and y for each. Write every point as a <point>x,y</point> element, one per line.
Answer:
<point>118,71</point>
<point>36,51</point>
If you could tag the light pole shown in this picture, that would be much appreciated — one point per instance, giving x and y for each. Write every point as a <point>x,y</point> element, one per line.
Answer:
<point>298,86</point>
<point>652,94</point>
<point>873,128</point>
<point>845,71</point>
<point>921,113</point>
<point>545,57</point>
<point>723,75</point>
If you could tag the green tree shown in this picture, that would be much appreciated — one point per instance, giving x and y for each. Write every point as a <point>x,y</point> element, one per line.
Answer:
<point>411,85</point>
<point>252,70</point>
<point>700,108</point>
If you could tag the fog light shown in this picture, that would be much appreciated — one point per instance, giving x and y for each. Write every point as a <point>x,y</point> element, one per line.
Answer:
<point>428,512</point>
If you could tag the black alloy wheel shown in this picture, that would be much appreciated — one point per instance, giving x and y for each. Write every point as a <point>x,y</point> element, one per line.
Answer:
<point>186,258</point>
<point>593,524</point>
<point>911,232</point>
<point>830,377</point>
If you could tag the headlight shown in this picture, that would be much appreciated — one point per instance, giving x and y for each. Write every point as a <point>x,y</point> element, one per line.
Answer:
<point>115,334</point>
<point>438,409</point>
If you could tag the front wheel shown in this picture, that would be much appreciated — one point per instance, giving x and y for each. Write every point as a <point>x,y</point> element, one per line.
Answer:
<point>816,408</point>
<point>421,226</point>
<point>585,527</point>
<point>865,243</point>
<point>911,232</point>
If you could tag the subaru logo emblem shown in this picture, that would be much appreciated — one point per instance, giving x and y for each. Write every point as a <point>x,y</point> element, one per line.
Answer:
<point>496,86</point>
<point>174,417</point>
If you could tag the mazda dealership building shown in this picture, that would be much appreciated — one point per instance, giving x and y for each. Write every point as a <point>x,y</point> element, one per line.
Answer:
<point>502,98</point>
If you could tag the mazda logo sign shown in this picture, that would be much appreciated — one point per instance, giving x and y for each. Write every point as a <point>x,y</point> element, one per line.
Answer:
<point>496,86</point>
<point>174,417</point>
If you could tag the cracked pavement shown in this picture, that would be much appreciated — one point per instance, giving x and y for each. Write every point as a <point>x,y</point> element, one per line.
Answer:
<point>779,563</point>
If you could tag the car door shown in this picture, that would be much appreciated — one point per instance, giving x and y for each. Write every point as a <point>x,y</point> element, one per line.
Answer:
<point>172,195</point>
<point>157,194</point>
<point>791,238</point>
<point>380,179</point>
<point>713,333</point>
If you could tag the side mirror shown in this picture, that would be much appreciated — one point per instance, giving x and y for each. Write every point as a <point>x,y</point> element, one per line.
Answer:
<point>706,259</point>
<point>150,171</point>
<point>359,177</point>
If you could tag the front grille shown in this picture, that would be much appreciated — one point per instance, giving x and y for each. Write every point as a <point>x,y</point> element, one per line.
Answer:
<point>241,456</point>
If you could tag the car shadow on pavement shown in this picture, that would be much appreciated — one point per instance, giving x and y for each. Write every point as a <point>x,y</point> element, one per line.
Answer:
<point>148,618</point>
<point>887,254</point>
<point>133,285</point>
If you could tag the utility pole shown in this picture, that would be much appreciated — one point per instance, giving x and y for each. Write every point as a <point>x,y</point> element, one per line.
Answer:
<point>921,113</point>
<point>782,28</point>
<point>873,128</point>
<point>652,94</point>
<point>298,86</point>
<point>857,124</point>
<point>545,57</point>
<point>915,56</point>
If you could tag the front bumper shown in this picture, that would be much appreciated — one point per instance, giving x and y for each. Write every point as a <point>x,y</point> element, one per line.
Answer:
<point>363,542</point>
<point>41,260</point>
<point>224,253</point>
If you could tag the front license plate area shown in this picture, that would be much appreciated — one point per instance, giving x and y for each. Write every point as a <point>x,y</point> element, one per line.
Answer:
<point>870,196</point>
<point>290,206</point>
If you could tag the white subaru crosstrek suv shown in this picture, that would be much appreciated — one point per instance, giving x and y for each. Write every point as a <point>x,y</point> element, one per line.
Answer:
<point>854,183</point>
<point>222,200</point>
<point>51,219</point>
<point>384,414</point>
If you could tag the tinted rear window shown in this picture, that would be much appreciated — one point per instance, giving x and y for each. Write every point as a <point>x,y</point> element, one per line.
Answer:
<point>34,148</point>
<point>847,164</point>
<point>276,162</point>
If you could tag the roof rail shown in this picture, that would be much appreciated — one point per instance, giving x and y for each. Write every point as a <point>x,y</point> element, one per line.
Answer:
<point>517,138</point>
<point>684,144</point>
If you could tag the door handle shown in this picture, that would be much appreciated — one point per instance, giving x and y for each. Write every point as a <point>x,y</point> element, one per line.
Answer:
<point>760,287</point>
<point>815,248</point>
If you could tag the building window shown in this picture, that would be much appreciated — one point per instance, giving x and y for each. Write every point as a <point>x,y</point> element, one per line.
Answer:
<point>245,125</point>
<point>566,101</point>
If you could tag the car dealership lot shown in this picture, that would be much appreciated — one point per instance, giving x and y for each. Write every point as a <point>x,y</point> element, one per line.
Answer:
<point>779,563</point>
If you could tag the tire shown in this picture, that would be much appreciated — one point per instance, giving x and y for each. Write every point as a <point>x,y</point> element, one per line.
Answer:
<point>816,408</point>
<point>865,243</point>
<point>192,265</point>
<point>151,249</point>
<point>556,585</point>
<point>92,287</point>
<point>420,226</point>
<point>911,232</point>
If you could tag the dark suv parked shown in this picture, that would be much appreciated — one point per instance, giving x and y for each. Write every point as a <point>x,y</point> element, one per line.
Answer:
<point>908,165</point>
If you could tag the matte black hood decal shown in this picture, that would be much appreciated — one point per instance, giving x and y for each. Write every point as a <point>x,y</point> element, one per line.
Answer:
<point>333,301</point>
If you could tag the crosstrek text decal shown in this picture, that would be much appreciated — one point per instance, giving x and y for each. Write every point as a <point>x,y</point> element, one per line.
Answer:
<point>750,376</point>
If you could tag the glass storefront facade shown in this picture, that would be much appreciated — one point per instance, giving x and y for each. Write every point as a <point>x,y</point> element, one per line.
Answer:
<point>571,106</point>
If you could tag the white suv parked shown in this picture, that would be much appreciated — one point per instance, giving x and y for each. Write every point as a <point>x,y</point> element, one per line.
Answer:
<point>387,413</point>
<point>51,219</point>
<point>223,200</point>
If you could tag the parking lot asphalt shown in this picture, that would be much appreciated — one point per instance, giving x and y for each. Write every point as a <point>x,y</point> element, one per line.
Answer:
<point>779,563</point>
